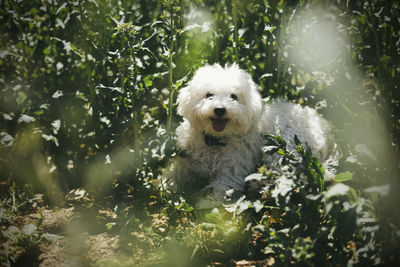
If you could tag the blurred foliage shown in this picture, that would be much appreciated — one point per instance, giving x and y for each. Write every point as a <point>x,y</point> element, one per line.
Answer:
<point>87,93</point>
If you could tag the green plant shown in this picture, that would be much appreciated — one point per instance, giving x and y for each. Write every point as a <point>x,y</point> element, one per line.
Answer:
<point>87,100</point>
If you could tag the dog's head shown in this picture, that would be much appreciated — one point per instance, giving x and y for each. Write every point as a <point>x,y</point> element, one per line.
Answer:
<point>221,101</point>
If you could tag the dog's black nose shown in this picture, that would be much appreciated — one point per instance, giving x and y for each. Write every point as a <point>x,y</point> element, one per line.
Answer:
<point>219,111</point>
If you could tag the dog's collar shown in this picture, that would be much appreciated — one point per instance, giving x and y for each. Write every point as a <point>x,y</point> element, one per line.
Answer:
<point>213,141</point>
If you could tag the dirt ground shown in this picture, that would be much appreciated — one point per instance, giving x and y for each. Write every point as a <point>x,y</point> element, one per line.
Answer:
<point>79,233</point>
<point>74,235</point>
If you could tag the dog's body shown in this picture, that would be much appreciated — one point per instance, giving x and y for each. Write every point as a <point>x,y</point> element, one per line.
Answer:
<point>221,165</point>
<point>221,135</point>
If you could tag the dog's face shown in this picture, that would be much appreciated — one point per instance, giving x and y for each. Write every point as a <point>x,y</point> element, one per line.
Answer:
<point>221,101</point>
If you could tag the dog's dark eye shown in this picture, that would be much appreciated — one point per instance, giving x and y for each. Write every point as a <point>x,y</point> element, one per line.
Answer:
<point>208,95</point>
<point>234,97</point>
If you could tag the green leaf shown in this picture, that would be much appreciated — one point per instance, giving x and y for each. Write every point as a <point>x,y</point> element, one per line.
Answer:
<point>110,225</point>
<point>258,205</point>
<point>280,140</point>
<point>343,177</point>
<point>148,81</point>
<point>46,51</point>
<point>338,189</point>
<point>270,149</point>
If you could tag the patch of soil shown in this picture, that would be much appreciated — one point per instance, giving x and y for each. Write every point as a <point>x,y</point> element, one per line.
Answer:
<point>54,221</point>
<point>84,250</point>
<point>76,236</point>
<point>103,248</point>
<point>53,253</point>
<point>62,236</point>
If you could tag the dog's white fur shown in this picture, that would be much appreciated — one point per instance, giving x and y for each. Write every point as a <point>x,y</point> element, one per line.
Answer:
<point>224,166</point>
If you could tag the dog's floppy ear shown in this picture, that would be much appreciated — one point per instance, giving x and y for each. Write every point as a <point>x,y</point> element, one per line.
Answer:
<point>188,95</point>
<point>254,99</point>
<point>183,98</point>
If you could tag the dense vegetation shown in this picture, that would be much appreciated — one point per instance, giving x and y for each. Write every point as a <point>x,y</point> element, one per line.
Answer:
<point>87,104</point>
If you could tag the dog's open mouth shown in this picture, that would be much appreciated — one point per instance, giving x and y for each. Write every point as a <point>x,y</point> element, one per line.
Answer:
<point>219,124</point>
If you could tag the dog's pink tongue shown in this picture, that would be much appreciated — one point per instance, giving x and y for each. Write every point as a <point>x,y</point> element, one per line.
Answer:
<point>219,125</point>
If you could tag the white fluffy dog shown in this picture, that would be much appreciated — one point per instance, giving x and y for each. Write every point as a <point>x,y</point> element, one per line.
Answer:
<point>224,117</point>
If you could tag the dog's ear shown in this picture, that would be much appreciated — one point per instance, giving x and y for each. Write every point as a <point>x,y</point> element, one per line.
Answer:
<point>256,101</point>
<point>183,97</point>
<point>186,95</point>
